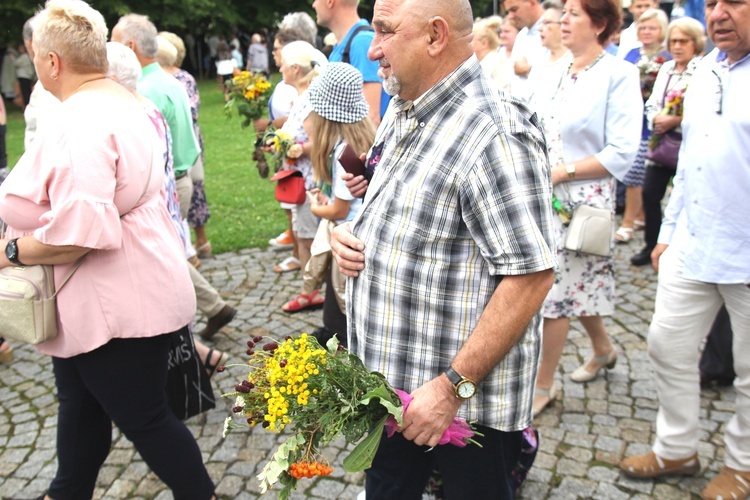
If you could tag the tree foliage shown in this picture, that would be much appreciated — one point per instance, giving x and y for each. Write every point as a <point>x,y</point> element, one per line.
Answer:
<point>182,16</point>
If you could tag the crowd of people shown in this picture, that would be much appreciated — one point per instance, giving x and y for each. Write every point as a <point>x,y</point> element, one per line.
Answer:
<point>453,262</point>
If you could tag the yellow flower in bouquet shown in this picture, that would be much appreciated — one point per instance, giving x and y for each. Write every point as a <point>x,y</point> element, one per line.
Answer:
<point>286,150</point>
<point>321,394</point>
<point>248,95</point>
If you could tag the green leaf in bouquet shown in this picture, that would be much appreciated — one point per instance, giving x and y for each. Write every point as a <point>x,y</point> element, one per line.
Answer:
<point>280,462</point>
<point>386,399</point>
<point>361,457</point>
<point>333,344</point>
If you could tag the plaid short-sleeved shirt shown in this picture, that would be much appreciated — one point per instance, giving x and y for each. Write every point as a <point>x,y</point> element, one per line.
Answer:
<point>460,198</point>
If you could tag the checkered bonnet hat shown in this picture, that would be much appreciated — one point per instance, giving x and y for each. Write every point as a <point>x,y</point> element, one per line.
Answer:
<point>336,94</point>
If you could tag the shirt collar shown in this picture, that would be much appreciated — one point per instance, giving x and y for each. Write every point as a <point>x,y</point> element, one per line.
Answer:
<point>722,57</point>
<point>423,106</point>
<point>147,70</point>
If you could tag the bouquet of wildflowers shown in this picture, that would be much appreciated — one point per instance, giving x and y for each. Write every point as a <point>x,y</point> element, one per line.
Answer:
<point>649,67</point>
<point>321,394</point>
<point>285,149</point>
<point>672,107</point>
<point>248,94</point>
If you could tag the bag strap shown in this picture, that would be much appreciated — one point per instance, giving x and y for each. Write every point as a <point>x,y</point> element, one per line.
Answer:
<point>348,46</point>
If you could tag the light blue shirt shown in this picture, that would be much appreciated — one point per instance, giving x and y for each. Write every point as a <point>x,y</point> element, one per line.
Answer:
<point>708,215</point>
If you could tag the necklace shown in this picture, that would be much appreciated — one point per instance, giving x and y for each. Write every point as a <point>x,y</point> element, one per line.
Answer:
<point>574,76</point>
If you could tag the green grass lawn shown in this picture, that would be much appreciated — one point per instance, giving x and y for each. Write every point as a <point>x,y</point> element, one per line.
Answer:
<point>244,212</point>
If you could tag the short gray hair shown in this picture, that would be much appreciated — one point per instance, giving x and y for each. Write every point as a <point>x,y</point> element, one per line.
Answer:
<point>137,28</point>
<point>302,22</point>
<point>28,29</point>
<point>124,67</point>
<point>692,28</point>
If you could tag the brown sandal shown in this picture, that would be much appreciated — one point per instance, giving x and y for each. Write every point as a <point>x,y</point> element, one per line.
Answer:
<point>650,465</point>
<point>730,483</point>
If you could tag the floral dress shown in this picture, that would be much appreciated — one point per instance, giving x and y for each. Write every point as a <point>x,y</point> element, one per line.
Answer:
<point>648,65</point>
<point>198,213</point>
<point>584,284</point>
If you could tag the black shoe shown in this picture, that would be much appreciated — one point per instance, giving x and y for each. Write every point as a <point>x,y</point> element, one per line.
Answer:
<point>642,258</point>
<point>217,322</point>
<point>708,380</point>
<point>323,335</point>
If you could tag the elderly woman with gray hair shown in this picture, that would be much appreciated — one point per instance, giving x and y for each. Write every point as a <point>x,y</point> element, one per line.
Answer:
<point>90,186</point>
<point>686,40</point>
<point>648,58</point>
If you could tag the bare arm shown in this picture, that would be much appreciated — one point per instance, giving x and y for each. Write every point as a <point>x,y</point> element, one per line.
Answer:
<point>31,252</point>
<point>501,325</point>
<point>372,92</point>
<point>588,168</point>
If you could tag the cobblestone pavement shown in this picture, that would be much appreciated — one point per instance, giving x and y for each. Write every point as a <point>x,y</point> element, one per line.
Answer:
<point>583,435</point>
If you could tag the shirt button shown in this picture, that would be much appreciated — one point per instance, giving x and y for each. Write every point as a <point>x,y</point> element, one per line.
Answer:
<point>700,168</point>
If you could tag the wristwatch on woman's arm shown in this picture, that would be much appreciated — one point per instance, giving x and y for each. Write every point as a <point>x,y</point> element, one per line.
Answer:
<point>11,251</point>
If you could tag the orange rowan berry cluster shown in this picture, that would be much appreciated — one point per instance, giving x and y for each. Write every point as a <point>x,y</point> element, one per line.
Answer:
<point>298,470</point>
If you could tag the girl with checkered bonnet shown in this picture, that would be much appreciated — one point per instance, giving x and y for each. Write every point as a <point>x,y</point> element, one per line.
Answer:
<point>339,118</point>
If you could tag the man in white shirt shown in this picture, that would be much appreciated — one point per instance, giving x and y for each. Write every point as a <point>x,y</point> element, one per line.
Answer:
<point>703,259</point>
<point>528,50</point>
<point>629,36</point>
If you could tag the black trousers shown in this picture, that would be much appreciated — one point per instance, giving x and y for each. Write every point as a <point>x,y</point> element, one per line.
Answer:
<point>717,359</point>
<point>333,318</point>
<point>401,468</point>
<point>654,186</point>
<point>122,382</point>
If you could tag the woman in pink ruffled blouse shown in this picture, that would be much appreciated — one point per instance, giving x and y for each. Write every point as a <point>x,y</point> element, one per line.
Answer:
<point>90,186</point>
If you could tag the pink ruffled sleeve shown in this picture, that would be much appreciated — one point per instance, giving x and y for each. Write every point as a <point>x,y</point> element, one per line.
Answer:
<point>81,192</point>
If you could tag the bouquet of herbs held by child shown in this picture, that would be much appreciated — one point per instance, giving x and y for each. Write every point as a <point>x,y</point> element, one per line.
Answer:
<point>284,150</point>
<point>319,394</point>
<point>248,97</point>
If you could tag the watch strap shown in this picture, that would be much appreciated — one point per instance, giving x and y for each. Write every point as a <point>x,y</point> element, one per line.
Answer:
<point>453,376</point>
<point>11,251</point>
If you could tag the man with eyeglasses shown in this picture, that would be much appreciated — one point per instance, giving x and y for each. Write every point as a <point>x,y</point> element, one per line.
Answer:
<point>703,259</point>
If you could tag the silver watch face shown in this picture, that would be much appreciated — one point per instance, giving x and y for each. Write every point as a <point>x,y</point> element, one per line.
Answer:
<point>466,389</point>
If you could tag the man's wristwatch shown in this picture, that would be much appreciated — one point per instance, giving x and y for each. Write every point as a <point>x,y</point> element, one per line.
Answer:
<point>11,252</point>
<point>463,387</point>
<point>570,168</point>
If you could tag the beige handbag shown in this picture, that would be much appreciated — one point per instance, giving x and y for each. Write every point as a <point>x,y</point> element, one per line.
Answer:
<point>28,299</point>
<point>590,231</point>
<point>28,306</point>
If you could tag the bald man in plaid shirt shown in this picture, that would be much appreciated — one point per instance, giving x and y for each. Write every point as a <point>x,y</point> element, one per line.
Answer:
<point>450,256</point>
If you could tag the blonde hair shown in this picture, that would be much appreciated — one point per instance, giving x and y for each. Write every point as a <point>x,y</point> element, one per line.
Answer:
<point>178,44</point>
<point>693,29</point>
<point>309,59</point>
<point>166,54</point>
<point>485,29</point>
<point>326,134</point>
<point>660,17</point>
<point>75,32</point>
